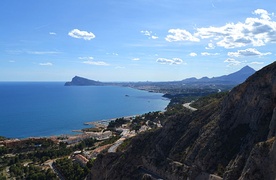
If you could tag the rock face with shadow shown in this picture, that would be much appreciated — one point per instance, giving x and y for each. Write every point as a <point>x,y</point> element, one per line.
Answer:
<point>232,138</point>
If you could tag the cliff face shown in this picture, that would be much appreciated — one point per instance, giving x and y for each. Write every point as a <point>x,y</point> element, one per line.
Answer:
<point>233,138</point>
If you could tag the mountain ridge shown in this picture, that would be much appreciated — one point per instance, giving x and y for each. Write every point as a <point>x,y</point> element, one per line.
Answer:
<point>233,78</point>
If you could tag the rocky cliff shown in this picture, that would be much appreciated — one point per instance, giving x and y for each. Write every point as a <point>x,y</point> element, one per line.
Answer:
<point>232,138</point>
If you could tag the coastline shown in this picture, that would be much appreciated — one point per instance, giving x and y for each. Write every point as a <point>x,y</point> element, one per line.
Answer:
<point>77,132</point>
<point>61,124</point>
<point>105,122</point>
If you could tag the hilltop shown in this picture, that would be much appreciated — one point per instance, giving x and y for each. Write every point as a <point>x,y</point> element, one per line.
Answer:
<point>232,137</point>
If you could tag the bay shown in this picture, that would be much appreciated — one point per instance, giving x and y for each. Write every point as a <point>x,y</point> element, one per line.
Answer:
<point>31,109</point>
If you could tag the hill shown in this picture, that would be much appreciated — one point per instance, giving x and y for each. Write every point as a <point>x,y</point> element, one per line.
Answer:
<point>231,138</point>
<point>233,78</point>
<point>80,81</point>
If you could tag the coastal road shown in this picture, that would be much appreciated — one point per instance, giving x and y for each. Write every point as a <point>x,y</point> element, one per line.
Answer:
<point>124,135</point>
<point>187,105</point>
<point>114,147</point>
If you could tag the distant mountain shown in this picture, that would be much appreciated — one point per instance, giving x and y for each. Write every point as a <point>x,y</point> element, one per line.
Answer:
<point>231,79</point>
<point>230,138</point>
<point>80,81</point>
<point>234,78</point>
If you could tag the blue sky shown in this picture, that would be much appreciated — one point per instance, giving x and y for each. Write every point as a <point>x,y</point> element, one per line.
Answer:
<point>137,40</point>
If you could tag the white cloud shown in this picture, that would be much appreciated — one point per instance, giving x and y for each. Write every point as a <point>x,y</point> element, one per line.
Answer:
<point>52,33</point>
<point>209,54</point>
<point>90,60</point>
<point>42,52</point>
<point>254,31</point>
<point>115,54</point>
<point>12,61</point>
<point>210,46</point>
<point>264,14</point>
<point>193,54</point>
<point>257,63</point>
<point>135,59</point>
<point>46,64</point>
<point>180,35</point>
<point>96,63</point>
<point>75,33</point>
<point>146,33</point>
<point>149,34</point>
<point>169,61</point>
<point>247,52</point>
<point>86,58</point>
<point>232,62</point>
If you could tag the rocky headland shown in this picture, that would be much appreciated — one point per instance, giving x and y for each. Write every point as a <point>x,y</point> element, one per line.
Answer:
<point>80,81</point>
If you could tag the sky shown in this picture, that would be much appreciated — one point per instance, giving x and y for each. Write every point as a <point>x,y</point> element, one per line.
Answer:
<point>134,40</point>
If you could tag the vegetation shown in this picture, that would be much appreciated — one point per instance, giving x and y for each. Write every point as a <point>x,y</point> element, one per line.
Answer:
<point>71,170</point>
<point>93,129</point>
<point>206,100</point>
<point>124,145</point>
<point>111,140</point>
<point>34,153</point>
<point>117,123</point>
<point>20,171</point>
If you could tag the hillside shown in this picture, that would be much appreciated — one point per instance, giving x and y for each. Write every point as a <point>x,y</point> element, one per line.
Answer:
<point>231,138</point>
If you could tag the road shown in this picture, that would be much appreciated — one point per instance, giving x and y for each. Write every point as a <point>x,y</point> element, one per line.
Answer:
<point>187,105</point>
<point>50,163</point>
<point>114,147</point>
<point>152,174</point>
<point>125,134</point>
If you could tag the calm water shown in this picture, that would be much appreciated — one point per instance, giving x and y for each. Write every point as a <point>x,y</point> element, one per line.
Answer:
<point>44,109</point>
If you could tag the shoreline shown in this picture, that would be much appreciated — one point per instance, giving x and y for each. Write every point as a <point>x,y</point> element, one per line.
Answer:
<point>78,132</point>
<point>105,122</point>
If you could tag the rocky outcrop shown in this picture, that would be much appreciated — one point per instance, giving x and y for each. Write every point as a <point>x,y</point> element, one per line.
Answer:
<point>261,162</point>
<point>80,81</point>
<point>231,139</point>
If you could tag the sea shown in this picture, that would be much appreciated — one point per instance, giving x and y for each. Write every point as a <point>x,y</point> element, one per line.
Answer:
<point>42,109</point>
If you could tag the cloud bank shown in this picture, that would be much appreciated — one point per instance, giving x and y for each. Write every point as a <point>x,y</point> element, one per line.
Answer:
<point>248,52</point>
<point>255,31</point>
<point>232,62</point>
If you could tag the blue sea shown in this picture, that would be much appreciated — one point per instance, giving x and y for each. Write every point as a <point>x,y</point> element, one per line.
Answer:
<point>31,109</point>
